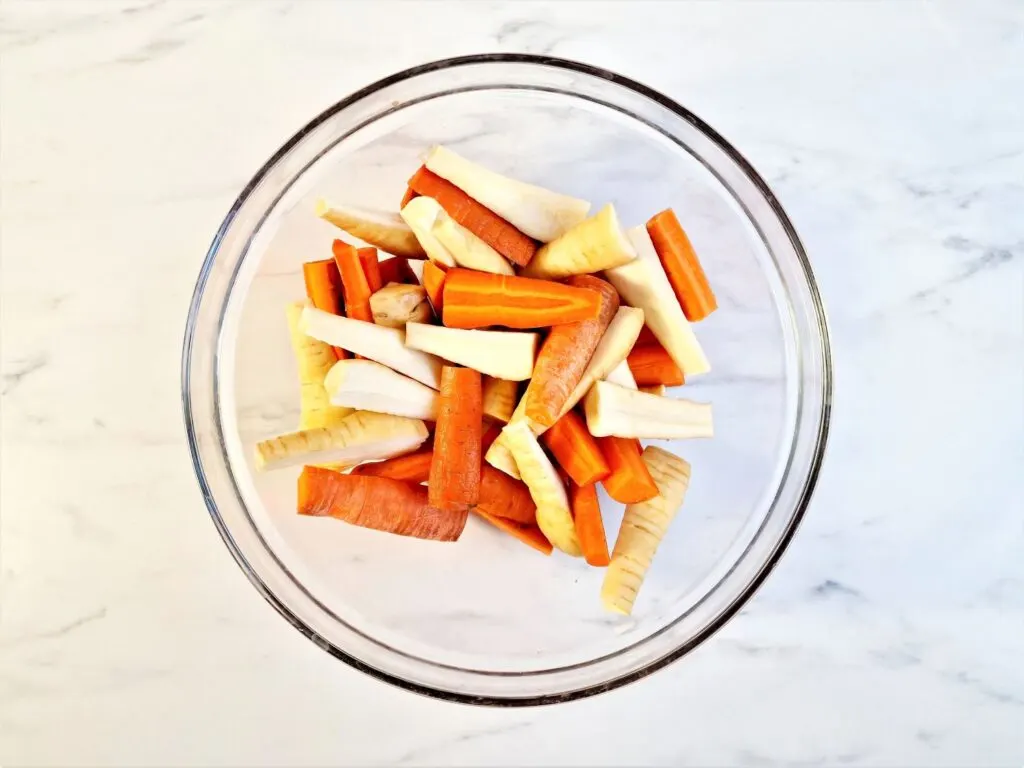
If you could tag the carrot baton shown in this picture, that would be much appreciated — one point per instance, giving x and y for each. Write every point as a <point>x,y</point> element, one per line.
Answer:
<point>433,283</point>
<point>380,503</point>
<point>505,497</point>
<point>354,281</point>
<point>586,512</point>
<point>455,470</point>
<point>682,266</point>
<point>371,268</point>
<point>630,481</point>
<point>565,354</point>
<point>575,450</point>
<point>397,270</point>
<point>481,221</point>
<point>651,364</point>
<point>480,299</point>
<point>412,468</point>
<point>324,289</point>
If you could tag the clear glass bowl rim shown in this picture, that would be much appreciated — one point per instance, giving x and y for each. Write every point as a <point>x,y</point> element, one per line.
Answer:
<point>816,305</point>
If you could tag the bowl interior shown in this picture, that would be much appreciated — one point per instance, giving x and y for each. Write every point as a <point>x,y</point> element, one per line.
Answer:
<point>487,603</point>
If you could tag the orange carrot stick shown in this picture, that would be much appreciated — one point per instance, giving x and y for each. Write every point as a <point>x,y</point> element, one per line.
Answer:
<point>564,356</point>
<point>410,193</point>
<point>651,364</point>
<point>455,470</point>
<point>433,284</point>
<point>586,512</point>
<point>353,279</point>
<point>682,266</point>
<point>396,270</point>
<point>380,503</point>
<point>575,450</point>
<point>528,534</point>
<point>505,497</point>
<point>480,299</point>
<point>324,289</point>
<point>371,268</point>
<point>630,481</point>
<point>481,221</point>
<point>413,467</point>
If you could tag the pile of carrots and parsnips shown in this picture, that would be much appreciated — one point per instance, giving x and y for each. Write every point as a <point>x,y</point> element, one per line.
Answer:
<point>508,355</point>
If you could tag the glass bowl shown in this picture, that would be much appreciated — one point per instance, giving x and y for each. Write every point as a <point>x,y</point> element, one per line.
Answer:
<point>488,620</point>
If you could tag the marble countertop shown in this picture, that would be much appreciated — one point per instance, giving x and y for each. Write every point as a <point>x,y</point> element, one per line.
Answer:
<point>891,633</point>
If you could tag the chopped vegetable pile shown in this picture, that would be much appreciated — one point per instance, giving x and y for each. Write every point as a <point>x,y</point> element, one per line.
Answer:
<point>520,369</point>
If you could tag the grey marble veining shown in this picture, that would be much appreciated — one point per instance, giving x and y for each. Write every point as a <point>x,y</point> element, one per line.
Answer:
<point>892,132</point>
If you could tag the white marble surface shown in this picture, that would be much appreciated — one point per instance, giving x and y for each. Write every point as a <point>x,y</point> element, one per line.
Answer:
<point>891,633</point>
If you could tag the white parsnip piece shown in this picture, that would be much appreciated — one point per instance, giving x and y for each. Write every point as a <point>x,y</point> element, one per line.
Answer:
<point>506,355</point>
<point>396,304</point>
<point>536,470</point>
<point>499,398</point>
<point>385,345</point>
<point>369,386</point>
<point>420,213</point>
<point>643,283</point>
<point>617,411</point>
<point>381,229</point>
<point>593,245</point>
<point>360,436</point>
<point>315,359</point>
<point>643,527</point>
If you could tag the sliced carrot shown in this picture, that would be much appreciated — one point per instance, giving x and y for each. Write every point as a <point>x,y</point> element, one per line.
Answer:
<point>433,284</point>
<point>380,503</point>
<point>413,467</point>
<point>528,534</point>
<point>324,289</point>
<point>481,221</point>
<point>371,268</point>
<point>410,193</point>
<point>396,270</point>
<point>564,356</point>
<point>682,266</point>
<point>575,450</point>
<point>480,299</point>
<point>586,513</point>
<point>651,364</point>
<point>630,481</point>
<point>506,497</point>
<point>455,470</point>
<point>353,279</point>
